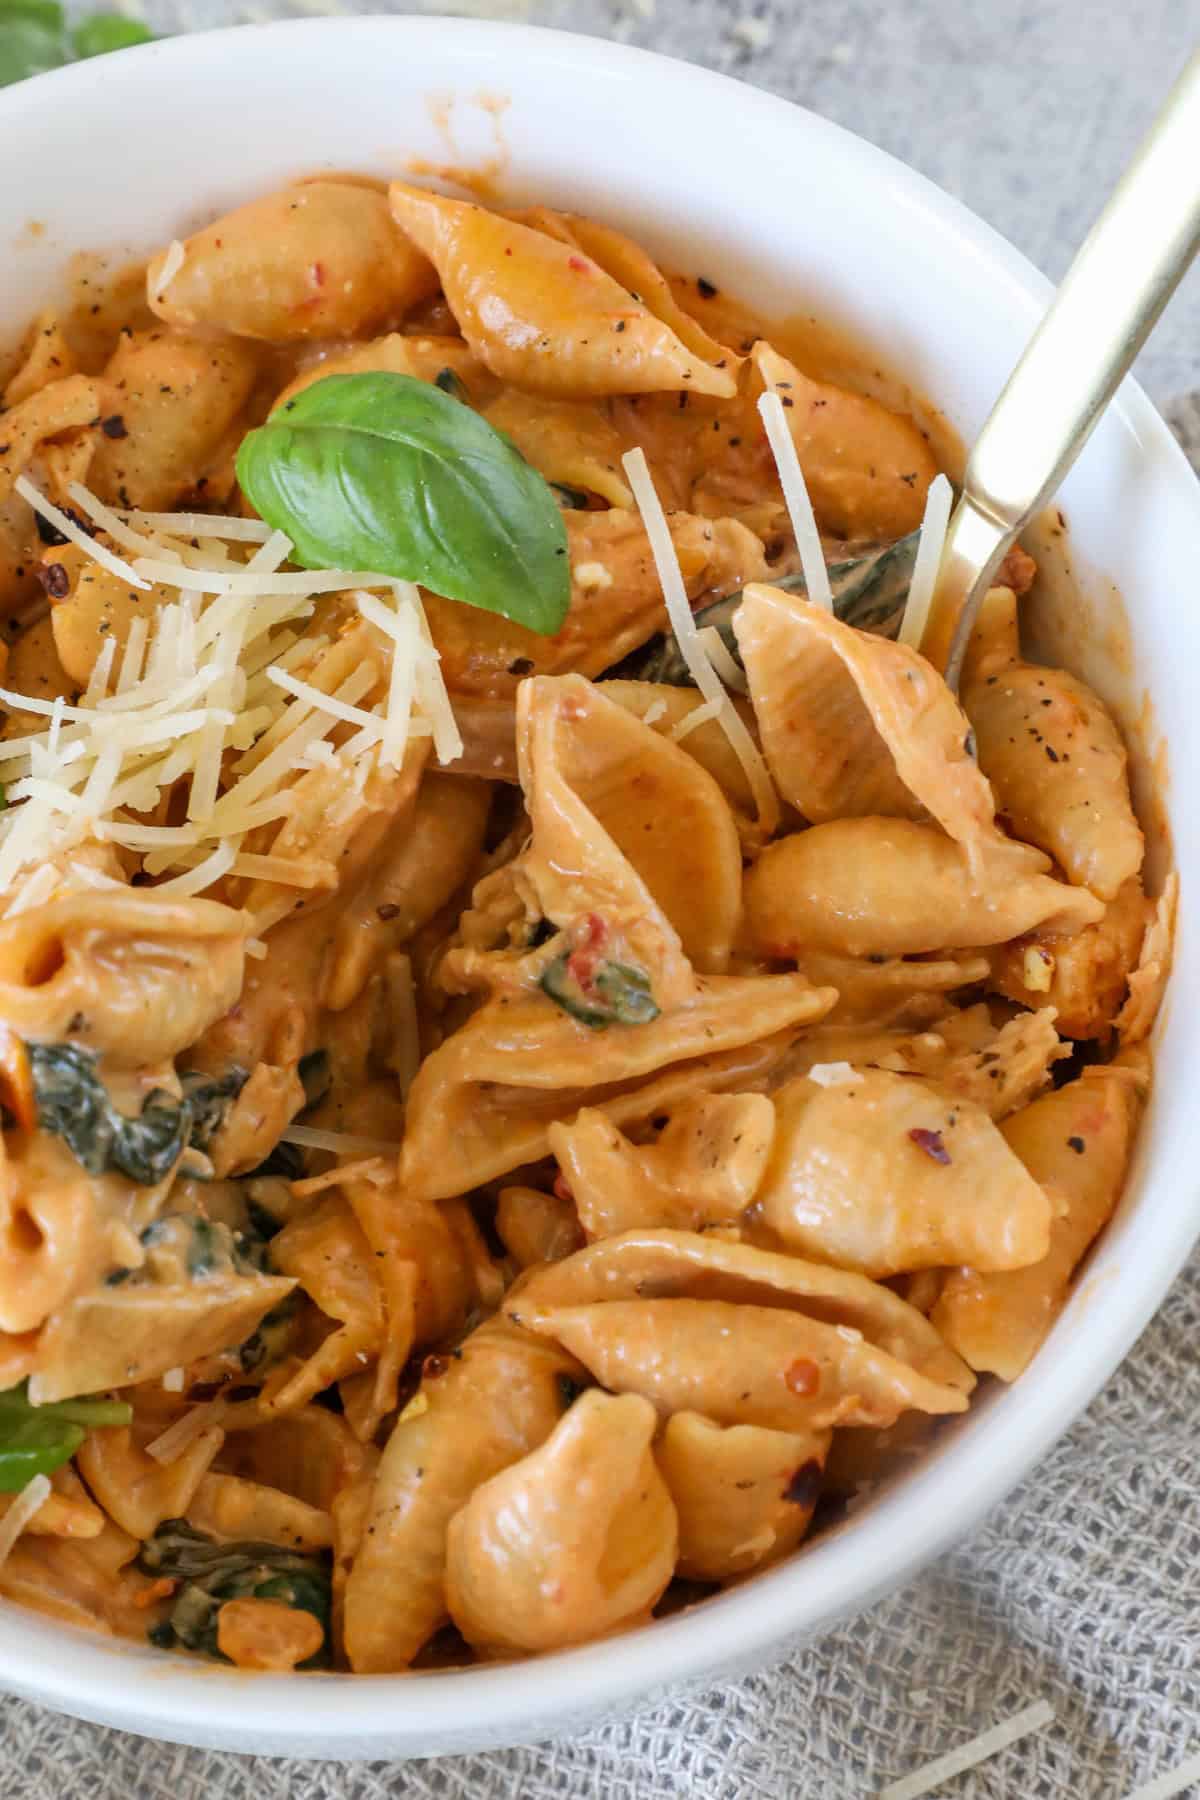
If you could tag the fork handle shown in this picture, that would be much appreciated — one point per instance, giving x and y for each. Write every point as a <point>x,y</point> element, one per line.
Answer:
<point>1125,272</point>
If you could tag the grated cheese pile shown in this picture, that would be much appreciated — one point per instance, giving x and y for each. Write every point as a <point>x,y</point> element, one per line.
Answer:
<point>203,700</point>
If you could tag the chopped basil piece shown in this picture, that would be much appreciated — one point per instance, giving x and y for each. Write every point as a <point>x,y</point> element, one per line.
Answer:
<point>617,994</point>
<point>36,1440</point>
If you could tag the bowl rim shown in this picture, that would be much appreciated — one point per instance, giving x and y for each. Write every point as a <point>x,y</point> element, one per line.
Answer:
<point>853,1566</point>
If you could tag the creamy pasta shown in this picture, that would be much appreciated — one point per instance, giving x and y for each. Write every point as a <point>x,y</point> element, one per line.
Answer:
<point>541,1045</point>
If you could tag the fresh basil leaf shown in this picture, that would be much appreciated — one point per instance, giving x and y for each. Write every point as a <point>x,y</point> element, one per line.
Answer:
<point>390,474</point>
<point>103,32</point>
<point>36,1440</point>
<point>31,40</point>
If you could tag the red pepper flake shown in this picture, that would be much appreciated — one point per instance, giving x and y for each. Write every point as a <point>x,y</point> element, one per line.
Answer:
<point>804,1484</point>
<point>931,1143</point>
<point>162,1589</point>
<point>114,426</point>
<point>1077,1145</point>
<point>562,1191</point>
<point>389,910</point>
<point>579,264</point>
<point>803,1377</point>
<point>432,1367</point>
<point>587,954</point>
<point>316,275</point>
<point>707,288</point>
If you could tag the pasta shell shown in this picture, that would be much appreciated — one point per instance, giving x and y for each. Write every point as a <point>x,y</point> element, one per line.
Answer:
<point>1076,1142</point>
<point>1148,981</point>
<point>131,975</point>
<point>867,470</point>
<point>421,358</point>
<point>741,1365</point>
<point>484,1100</point>
<point>1084,973</point>
<point>571,442</point>
<point>537,1227</point>
<point>626,825</point>
<point>616,602</point>
<point>889,887</point>
<point>1058,767</point>
<point>853,725</point>
<point>229,1507</point>
<point>486,1407</point>
<point>74,402</point>
<point>178,399</point>
<point>570,1543</point>
<point>744,1495</point>
<point>702,1170</point>
<point>322,259</point>
<point>691,1265</point>
<point>135,1490</point>
<point>541,314</point>
<point>882,1173</point>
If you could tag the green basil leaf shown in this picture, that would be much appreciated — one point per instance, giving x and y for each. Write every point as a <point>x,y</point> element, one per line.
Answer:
<point>31,41</point>
<point>36,1440</point>
<point>616,994</point>
<point>385,473</point>
<point>103,32</point>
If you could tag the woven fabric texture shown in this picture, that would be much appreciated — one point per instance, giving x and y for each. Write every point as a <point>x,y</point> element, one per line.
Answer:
<point>1084,1587</point>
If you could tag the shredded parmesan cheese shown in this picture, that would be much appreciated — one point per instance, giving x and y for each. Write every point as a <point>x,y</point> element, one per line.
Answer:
<point>795,495</point>
<point>211,691</point>
<point>929,555</point>
<point>718,654</point>
<point>29,1501</point>
<point>968,1756</point>
<point>341,1143</point>
<point>170,1444</point>
<point>700,667</point>
<point>173,1381</point>
<point>699,715</point>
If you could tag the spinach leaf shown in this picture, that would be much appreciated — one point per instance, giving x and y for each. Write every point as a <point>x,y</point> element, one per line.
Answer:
<point>212,1572</point>
<point>387,473</point>
<point>102,32</point>
<point>36,1440</point>
<point>616,994</point>
<point>74,1103</point>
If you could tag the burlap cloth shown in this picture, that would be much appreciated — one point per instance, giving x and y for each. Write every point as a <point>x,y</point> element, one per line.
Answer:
<point>1084,1587</point>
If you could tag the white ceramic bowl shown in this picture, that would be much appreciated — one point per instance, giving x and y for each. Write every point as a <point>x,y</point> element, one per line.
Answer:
<point>789,211</point>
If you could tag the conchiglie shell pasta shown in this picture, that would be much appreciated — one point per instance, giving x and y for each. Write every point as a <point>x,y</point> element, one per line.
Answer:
<point>867,469</point>
<point>322,259</point>
<point>570,1543</point>
<point>741,1365</point>
<point>52,1219</point>
<point>135,1490</point>
<point>135,977</point>
<point>616,602</point>
<point>72,404</point>
<point>484,1100</point>
<point>744,1495</point>
<point>702,1170</point>
<point>1147,983</point>
<point>603,788</point>
<point>229,1507</point>
<point>867,887</point>
<point>889,990</point>
<point>1076,1142</point>
<point>541,314</point>
<point>99,606</point>
<point>488,1407</point>
<point>178,399</point>
<point>568,441</point>
<point>636,271</point>
<point>1083,974</point>
<point>421,358</point>
<point>884,1174</point>
<point>536,1227</point>
<point>702,1266</point>
<point>1057,765</point>
<point>853,725</point>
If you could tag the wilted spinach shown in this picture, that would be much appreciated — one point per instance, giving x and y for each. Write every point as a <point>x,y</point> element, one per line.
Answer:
<point>211,1572</point>
<point>616,994</point>
<point>74,1103</point>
